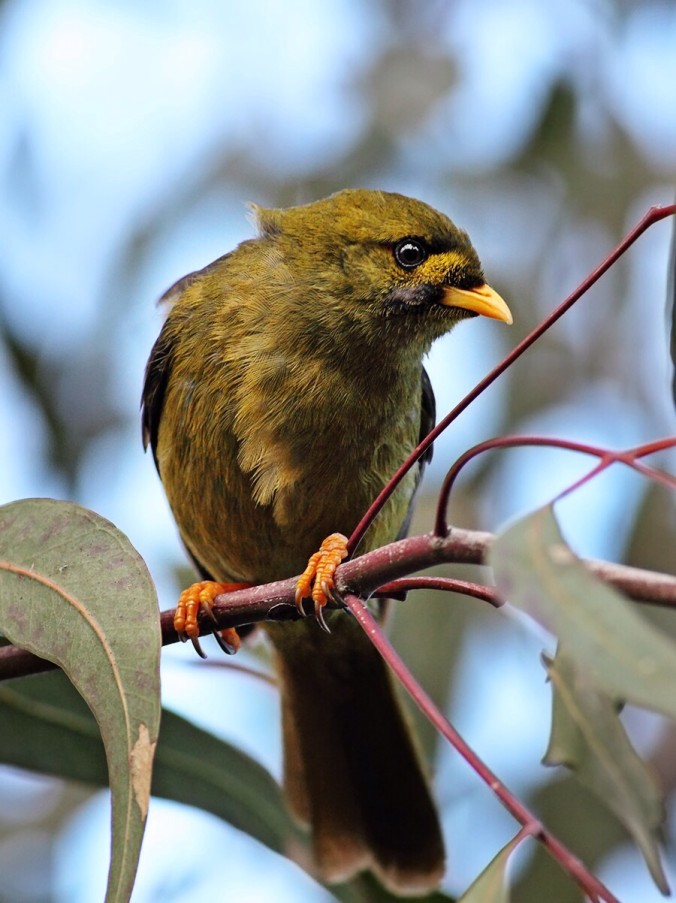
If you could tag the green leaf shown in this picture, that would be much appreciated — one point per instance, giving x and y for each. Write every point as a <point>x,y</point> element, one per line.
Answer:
<point>48,728</point>
<point>630,659</point>
<point>491,885</point>
<point>74,591</point>
<point>365,888</point>
<point>589,738</point>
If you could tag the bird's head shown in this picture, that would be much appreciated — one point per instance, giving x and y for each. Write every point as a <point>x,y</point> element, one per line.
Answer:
<point>388,263</point>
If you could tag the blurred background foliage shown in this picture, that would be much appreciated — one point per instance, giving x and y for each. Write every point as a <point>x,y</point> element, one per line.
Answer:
<point>130,137</point>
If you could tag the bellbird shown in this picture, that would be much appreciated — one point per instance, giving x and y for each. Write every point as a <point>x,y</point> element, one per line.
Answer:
<point>285,388</point>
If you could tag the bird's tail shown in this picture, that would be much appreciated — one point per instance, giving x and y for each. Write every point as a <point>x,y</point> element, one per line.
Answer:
<point>351,769</point>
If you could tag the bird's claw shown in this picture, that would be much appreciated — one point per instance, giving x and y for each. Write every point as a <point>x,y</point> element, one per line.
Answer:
<point>200,597</point>
<point>319,617</point>
<point>228,639</point>
<point>317,580</point>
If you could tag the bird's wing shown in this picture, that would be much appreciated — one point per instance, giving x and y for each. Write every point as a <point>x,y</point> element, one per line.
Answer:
<point>428,415</point>
<point>159,364</point>
<point>155,383</point>
<point>158,372</point>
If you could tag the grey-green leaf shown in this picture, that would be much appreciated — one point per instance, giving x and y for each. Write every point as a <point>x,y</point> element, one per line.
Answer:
<point>589,738</point>
<point>491,885</point>
<point>48,728</point>
<point>73,590</point>
<point>365,888</point>
<point>602,631</point>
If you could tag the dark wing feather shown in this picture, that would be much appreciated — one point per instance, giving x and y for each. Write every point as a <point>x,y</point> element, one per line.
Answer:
<point>428,416</point>
<point>158,369</point>
<point>157,375</point>
<point>671,305</point>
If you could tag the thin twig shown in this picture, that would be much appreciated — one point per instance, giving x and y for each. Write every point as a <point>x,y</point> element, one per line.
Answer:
<point>607,457</point>
<point>398,589</point>
<point>573,866</point>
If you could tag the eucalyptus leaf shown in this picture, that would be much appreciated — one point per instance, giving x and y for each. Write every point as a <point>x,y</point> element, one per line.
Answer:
<point>601,630</point>
<point>491,885</point>
<point>365,888</point>
<point>48,728</point>
<point>589,738</point>
<point>74,591</point>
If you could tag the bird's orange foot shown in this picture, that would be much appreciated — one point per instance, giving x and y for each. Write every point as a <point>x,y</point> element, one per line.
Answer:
<point>317,579</point>
<point>197,597</point>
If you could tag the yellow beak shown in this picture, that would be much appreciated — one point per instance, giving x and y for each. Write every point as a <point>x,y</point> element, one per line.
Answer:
<point>481,299</point>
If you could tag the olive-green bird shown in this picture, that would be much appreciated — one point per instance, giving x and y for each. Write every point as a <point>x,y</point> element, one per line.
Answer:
<point>285,388</point>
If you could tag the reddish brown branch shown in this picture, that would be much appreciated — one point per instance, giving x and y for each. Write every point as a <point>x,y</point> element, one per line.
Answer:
<point>630,457</point>
<point>398,589</point>
<point>530,824</point>
<point>366,574</point>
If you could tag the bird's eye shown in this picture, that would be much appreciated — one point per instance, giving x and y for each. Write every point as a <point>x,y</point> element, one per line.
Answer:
<point>409,253</point>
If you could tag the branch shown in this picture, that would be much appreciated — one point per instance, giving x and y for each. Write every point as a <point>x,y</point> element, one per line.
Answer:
<point>606,457</point>
<point>531,826</point>
<point>365,575</point>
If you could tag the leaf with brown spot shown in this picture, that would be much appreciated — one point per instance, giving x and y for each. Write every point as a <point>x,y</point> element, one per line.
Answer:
<point>74,591</point>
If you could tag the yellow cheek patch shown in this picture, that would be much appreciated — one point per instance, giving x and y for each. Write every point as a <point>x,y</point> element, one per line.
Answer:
<point>437,267</point>
<point>481,299</point>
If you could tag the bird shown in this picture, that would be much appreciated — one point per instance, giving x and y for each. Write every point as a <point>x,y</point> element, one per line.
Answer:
<point>284,389</point>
